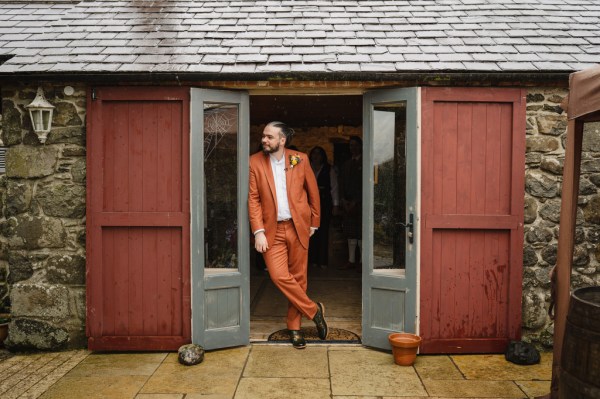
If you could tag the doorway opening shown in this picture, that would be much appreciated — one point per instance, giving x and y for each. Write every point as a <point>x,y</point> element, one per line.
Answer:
<point>327,122</point>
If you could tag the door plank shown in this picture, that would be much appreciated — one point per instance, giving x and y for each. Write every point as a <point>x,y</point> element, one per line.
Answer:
<point>108,287</point>
<point>120,281</point>
<point>149,279</point>
<point>135,163</point>
<point>136,286</point>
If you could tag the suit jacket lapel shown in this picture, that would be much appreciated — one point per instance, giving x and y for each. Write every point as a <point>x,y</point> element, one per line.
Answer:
<point>269,173</point>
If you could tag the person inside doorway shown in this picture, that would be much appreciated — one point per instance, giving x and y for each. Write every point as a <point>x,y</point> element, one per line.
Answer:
<point>351,189</point>
<point>284,211</point>
<point>318,250</point>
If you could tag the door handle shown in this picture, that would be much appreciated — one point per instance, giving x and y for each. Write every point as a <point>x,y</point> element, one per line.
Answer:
<point>410,226</point>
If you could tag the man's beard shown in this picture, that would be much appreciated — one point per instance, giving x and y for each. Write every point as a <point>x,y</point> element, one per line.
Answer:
<point>270,150</point>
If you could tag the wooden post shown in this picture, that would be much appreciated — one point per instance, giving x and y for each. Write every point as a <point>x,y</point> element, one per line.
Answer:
<point>566,241</point>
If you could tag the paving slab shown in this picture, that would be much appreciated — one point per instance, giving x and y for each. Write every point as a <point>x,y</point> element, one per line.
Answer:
<point>30,375</point>
<point>473,389</point>
<point>115,386</point>
<point>496,367</point>
<point>285,361</point>
<point>114,364</point>
<point>276,388</point>
<point>534,388</point>
<point>370,372</point>
<point>437,368</point>
<point>219,374</point>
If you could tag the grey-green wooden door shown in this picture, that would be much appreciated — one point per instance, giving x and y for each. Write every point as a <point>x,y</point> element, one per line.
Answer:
<point>219,233</point>
<point>389,202</point>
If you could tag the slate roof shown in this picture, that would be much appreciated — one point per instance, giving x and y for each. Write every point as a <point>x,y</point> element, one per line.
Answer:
<point>299,36</point>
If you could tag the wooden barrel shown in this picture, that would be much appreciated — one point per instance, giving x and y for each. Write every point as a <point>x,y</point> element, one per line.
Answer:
<point>580,358</point>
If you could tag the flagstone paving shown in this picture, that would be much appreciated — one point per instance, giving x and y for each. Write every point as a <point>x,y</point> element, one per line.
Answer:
<point>266,371</point>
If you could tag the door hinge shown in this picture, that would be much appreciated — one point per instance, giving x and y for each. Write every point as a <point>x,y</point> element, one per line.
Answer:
<point>93,94</point>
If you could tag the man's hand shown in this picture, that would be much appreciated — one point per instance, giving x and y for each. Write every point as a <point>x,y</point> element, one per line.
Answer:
<point>260,242</point>
<point>312,231</point>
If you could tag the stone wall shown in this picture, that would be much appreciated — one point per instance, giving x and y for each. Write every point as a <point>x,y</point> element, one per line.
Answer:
<point>546,140</point>
<point>44,226</point>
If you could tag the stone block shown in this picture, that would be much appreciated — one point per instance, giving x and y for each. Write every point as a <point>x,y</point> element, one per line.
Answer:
<point>65,114</point>
<point>538,234</point>
<point>66,269</point>
<point>549,254</point>
<point>586,187</point>
<point>24,334</point>
<point>540,185</point>
<point>591,211</point>
<point>62,200</point>
<point>529,256</point>
<point>531,207</point>
<point>69,135</point>
<point>580,256</point>
<point>12,131</point>
<point>3,250</point>
<point>78,171</point>
<point>534,310</point>
<point>29,162</point>
<point>535,98</point>
<point>43,301</point>
<point>541,144</point>
<point>550,211</point>
<point>533,159</point>
<point>20,266</point>
<point>591,137</point>
<point>590,166</point>
<point>35,232</point>
<point>18,197</point>
<point>552,164</point>
<point>73,151</point>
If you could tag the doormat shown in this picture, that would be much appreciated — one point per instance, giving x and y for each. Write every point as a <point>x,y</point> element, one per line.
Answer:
<point>335,335</point>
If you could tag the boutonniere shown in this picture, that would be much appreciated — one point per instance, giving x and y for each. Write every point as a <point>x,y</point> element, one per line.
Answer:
<point>294,160</point>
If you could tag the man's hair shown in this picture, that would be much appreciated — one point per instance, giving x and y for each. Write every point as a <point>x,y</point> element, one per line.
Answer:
<point>285,131</point>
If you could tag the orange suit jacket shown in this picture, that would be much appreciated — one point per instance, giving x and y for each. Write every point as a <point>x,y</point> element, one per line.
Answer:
<point>302,193</point>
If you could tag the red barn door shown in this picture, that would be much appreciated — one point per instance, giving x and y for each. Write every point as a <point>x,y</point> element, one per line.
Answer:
<point>473,150</point>
<point>138,287</point>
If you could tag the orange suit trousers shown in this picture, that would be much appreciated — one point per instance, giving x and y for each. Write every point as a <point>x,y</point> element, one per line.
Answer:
<point>287,263</point>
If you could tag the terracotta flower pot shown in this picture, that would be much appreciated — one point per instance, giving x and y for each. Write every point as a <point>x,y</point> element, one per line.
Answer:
<point>404,348</point>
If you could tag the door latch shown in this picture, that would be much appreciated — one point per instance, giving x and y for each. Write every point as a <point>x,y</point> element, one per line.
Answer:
<point>410,226</point>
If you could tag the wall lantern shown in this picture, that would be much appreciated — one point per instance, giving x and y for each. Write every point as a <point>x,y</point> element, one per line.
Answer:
<point>40,111</point>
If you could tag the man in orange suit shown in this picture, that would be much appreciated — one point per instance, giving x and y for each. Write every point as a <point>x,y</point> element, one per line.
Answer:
<point>283,203</point>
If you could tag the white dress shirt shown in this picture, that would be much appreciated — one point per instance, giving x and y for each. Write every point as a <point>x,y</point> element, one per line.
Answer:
<point>279,171</point>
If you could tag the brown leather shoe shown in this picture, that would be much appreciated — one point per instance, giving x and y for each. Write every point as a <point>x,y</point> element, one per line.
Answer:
<point>297,339</point>
<point>320,322</point>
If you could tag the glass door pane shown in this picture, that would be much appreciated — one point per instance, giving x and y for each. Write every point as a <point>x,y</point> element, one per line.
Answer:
<point>389,186</point>
<point>221,123</point>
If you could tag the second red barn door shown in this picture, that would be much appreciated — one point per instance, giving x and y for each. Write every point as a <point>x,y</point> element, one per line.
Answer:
<point>473,150</point>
